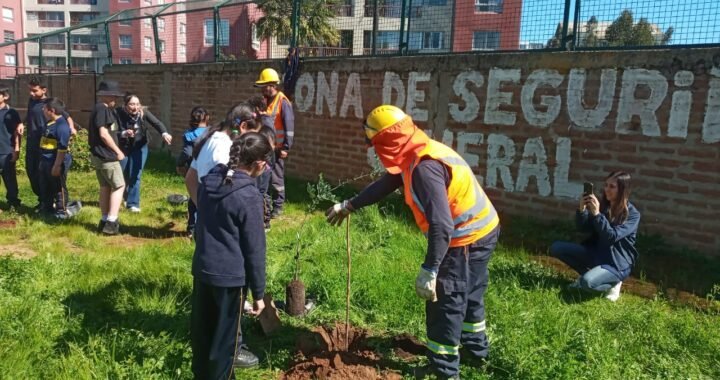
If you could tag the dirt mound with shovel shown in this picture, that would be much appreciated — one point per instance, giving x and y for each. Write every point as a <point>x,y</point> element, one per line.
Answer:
<point>327,354</point>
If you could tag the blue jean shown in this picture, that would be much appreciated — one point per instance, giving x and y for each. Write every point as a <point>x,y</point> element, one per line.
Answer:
<point>592,277</point>
<point>132,167</point>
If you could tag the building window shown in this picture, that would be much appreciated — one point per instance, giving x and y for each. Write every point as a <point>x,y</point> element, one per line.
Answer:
<point>48,19</point>
<point>84,2</point>
<point>8,14</point>
<point>82,17</point>
<point>162,46</point>
<point>254,38</point>
<point>8,35</point>
<point>148,2</point>
<point>183,49</point>
<point>426,41</point>
<point>125,22</point>
<point>485,40</point>
<point>125,41</point>
<point>495,6</point>
<point>223,33</point>
<point>10,60</point>
<point>161,24</point>
<point>183,28</point>
<point>51,2</point>
<point>147,23</point>
<point>437,2</point>
<point>147,43</point>
<point>125,61</point>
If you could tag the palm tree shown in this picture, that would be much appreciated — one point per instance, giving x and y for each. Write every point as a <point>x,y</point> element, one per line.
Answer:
<point>314,28</point>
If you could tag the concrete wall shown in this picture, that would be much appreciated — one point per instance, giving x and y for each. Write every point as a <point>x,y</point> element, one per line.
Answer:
<point>533,126</point>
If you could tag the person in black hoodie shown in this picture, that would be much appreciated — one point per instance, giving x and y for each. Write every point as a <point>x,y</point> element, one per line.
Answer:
<point>229,257</point>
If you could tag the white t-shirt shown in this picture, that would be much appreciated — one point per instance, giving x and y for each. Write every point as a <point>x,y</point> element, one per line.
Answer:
<point>215,151</point>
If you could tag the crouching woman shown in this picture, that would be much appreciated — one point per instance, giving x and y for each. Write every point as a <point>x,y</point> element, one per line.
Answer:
<point>606,258</point>
<point>229,257</point>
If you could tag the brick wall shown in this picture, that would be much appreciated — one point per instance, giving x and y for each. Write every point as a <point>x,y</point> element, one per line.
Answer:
<point>533,126</point>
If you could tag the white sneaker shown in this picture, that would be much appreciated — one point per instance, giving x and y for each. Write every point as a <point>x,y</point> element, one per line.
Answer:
<point>614,293</point>
<point>134,209</point>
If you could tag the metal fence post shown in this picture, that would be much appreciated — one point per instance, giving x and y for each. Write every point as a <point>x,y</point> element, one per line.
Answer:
<point>576,25</point>
<point>40,57</point>
<point>566,20</point>
<point>108,45</point>
<point>376,16</point>
<point>401,43</point>
<point>158,53</point>
<point>295,23</point>
<point>69,53</point>
<point>216,34</point>
<point>17,59</point>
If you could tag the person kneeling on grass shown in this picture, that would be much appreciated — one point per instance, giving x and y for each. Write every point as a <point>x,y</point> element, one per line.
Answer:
<point>606,258</point>
<point>229,256</point>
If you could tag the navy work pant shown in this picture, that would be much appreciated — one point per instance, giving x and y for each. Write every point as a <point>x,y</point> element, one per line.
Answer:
<point>214,327</point>
<point>458,316</point>
<point>277,184</point>
<point>9,177</point>
<point>32,167</point>
<point>53,190</point>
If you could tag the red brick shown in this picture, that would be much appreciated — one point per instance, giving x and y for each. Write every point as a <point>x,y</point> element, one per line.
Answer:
<point>700,153</point>
<point>694,177</point>
<point>614,146</point>
<point>592,155</point>
<point>655,149</point>
<point>668,163</point>
<point>632,159</point>
<point>713,167</point>
<point>657,173</point>
<point>674,188</point>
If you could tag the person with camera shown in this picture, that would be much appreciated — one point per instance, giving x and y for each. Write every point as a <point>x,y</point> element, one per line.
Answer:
<point>606,258</point>
<point>133,120</point>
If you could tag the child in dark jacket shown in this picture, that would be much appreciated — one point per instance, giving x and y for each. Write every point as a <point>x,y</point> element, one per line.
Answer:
<point>229,256</point>
<point>199,119</point>
<point>263,181</point>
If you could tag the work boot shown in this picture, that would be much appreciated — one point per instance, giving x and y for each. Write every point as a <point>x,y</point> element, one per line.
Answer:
<point>101,225</point>
<point>614,293</point>
<point>245,359</point>
<point>276,212</point>
<point>111,228</point>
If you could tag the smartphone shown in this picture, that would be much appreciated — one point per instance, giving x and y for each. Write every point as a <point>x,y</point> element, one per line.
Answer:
<point>588,188</point>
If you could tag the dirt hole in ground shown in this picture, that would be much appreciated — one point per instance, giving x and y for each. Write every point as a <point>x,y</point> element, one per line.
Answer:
<point>322,355</point>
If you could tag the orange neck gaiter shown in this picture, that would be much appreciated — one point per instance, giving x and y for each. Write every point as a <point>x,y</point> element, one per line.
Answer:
<point>397,146</point>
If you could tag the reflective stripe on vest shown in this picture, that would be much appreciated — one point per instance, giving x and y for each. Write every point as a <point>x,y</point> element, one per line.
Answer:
<point>473,327</point>
<point>275,111</point>
<point>477,220</point>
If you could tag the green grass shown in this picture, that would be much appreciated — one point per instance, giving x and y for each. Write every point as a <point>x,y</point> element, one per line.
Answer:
<point>94,307</point>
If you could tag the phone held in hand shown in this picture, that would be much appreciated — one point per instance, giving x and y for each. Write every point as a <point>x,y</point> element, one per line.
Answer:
<point>588,188</point>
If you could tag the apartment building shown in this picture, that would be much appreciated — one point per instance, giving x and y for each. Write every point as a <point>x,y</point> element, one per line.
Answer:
<point>12,28</point>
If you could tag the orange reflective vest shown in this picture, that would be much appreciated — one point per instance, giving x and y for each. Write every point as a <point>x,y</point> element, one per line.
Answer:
<point>275,111</point>
<point>473,214</point>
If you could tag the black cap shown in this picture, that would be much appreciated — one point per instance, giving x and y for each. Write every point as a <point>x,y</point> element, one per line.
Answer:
<point>109,88</point>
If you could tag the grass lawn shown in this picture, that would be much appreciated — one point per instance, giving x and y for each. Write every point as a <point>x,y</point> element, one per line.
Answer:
<point>77,305</point>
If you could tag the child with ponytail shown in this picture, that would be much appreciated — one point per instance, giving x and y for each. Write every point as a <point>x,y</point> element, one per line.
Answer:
<point>229,257</point>
<point>199,120</point>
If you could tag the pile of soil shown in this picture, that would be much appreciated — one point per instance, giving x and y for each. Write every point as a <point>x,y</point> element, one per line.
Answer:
<point>326,354</point>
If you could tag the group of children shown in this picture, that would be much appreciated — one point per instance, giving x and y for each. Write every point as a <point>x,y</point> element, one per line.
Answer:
<point>49,130</point>
<point>200,126</point>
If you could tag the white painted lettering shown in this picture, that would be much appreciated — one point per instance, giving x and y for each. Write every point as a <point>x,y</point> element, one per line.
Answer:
<point>534,164</point>
<point>681,103</point>
<point>577,108</point>
<point>552,103</point>
<point>352,97</point>
<point>414,95</point>
<point>562,186</point>
<point>497,163</point>
<point>472,105</point>
<point>393,83</point>
<point>644,108</point>
<point>493,114</point>
<point>304,84</point>
<point>327,93</point>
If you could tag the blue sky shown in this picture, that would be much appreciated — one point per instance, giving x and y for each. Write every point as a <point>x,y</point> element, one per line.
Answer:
<point>694,21</point>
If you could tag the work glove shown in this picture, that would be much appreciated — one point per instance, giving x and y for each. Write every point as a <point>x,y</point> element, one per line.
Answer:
<point>337,213</point>
<point>425,284</point>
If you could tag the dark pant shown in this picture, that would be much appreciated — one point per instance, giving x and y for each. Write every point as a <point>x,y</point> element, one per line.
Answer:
<point>277,184</point>
<point>263,184</point>
<point>54,194</point>
<point>9,176</point>
<point>192,215</point>
<point>592,276</point>
<point>458,316</point>
<point>32,167</point>
<point>132,167</point>
<point>214,327</point>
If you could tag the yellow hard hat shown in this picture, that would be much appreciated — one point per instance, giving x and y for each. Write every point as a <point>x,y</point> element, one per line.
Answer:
<point>381,118</point>
<point>267,76</point>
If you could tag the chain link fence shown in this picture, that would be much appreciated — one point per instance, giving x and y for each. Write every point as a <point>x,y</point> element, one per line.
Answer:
<point>231,30</point>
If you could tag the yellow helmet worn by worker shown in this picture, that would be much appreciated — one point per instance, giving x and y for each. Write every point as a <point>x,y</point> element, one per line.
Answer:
<point>382,117</point>
<point>267,76</point>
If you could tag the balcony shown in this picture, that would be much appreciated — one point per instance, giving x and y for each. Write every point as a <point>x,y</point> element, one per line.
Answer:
<point>343,10</point>
<point>392,11</point>
<point>84,47</point>
<point>51,23</point>
<point>53,46</point>
<point>84,2</point>
<point>379,51</point>
<point>45,2</point>
<point>324,51</point>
